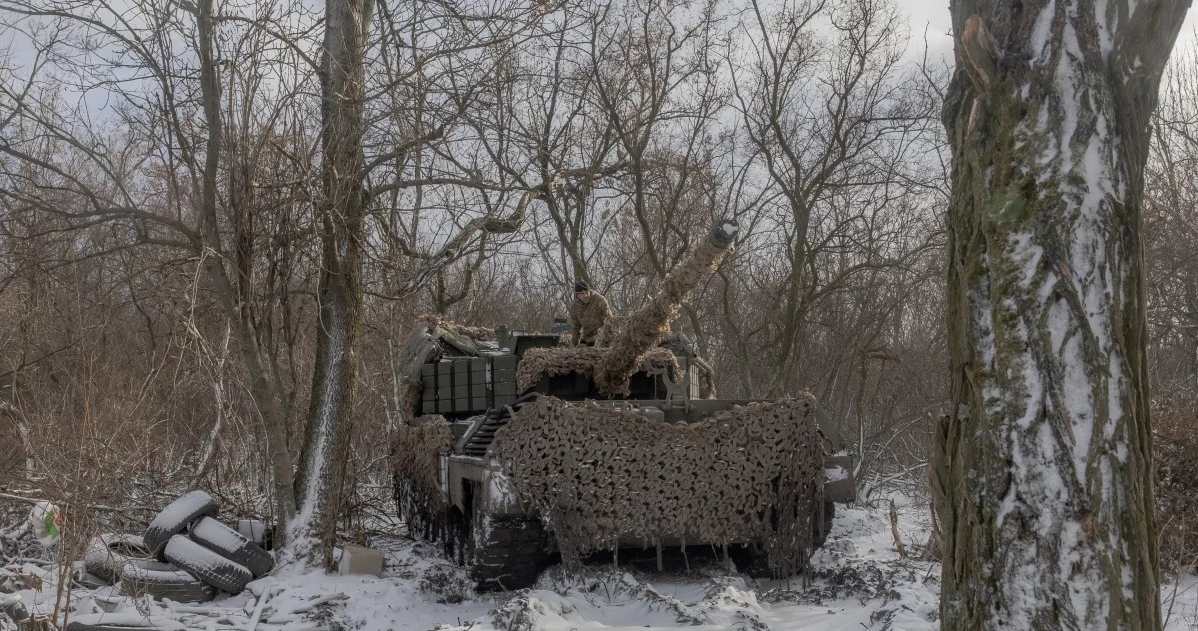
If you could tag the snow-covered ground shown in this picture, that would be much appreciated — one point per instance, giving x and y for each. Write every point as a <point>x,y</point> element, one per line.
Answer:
<point>858,582</point>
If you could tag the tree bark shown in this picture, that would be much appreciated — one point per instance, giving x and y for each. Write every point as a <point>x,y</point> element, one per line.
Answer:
<point>1045,470</point>
<point>340,220</point>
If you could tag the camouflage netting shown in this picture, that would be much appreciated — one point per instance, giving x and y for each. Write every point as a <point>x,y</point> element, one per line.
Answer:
<point>477,333</point>
<point>414,461</point>
<point>680,344</point>
<point>607,333</point>
<point>648,324</point>
<point>751,474</point>
<point>585,360</point>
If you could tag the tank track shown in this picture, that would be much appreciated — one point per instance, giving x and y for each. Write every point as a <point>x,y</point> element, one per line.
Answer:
<point>508,553</point>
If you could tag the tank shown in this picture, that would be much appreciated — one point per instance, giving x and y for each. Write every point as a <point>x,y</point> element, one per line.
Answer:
<point>523,450</point>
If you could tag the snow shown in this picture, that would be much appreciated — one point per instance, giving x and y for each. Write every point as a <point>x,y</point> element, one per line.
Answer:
<point>835,474</point>
<point>130,620</point>
<point>179,510</point>
<point>161,574</point>
<point>861,584</point>
<point>858,581</point>
<point>252,529</point>
<point>1041,33</point>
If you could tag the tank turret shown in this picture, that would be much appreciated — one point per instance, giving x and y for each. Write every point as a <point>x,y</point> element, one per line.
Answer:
<point>643,329</point>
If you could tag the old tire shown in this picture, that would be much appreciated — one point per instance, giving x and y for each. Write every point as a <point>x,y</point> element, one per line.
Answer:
<point>13,606</point>
<point>507,553</point>
<point>232,545</point>
<point>207,565</point>
<point>176,517</point>
<point>108,554</point>
<point>172,583</point>
<point>122,622</point>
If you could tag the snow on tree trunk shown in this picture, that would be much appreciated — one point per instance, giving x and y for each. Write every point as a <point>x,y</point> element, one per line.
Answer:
<point>340,222</point>
<point>1045,470</point>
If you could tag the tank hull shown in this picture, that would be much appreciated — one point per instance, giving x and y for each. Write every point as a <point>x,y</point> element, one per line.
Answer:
<point>789,490</point>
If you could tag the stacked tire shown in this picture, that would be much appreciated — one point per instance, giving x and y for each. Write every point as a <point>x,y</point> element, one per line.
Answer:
<point>185,555</point>
<point>127,560</point>
<point>187,534</point>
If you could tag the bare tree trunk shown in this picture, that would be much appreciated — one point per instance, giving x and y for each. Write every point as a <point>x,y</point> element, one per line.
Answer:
<point>340,220</point>
<point>1046,472</point>
<point>264,390</point>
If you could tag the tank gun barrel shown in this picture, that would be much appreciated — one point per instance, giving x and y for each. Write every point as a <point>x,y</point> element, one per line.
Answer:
<point>644,327</point>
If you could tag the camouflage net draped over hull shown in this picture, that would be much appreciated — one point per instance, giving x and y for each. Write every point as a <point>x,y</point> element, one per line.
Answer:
<point>751,474</point>
<point>585,360</point>
<point>642,330</point>
<point>414,461</point>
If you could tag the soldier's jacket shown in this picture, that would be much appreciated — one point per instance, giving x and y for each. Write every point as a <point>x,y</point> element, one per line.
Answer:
<point>586,319</point>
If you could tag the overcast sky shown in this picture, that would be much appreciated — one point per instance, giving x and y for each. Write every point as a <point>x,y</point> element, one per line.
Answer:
<point>933,15</point>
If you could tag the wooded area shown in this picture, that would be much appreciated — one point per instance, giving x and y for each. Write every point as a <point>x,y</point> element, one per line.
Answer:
<point>219,221</point>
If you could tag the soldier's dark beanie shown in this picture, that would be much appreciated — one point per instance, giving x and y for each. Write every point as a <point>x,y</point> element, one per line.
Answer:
<point>581,285</point>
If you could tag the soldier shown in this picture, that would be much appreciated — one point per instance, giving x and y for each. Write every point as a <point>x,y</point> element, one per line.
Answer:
<point>588,312</point>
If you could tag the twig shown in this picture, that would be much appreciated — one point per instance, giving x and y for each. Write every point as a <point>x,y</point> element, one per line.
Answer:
<point>99,507</point>
<point>898,541</point>
<point>320,601</point>
<point>19,498</point>
<point>16,531</point>
<point>257,615</point>
<point>284,616</point>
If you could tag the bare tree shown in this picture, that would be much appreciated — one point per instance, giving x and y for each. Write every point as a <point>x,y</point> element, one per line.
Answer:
<point>162,185</point>
<point>835,125</point>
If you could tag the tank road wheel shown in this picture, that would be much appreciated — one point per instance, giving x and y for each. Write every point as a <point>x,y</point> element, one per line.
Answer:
<point>504,553</point>
<point>751,560</point>
<point>508,552</point>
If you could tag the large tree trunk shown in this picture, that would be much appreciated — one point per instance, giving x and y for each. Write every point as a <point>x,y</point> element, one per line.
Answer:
<point>340,220</point>
<point>1046,469</point>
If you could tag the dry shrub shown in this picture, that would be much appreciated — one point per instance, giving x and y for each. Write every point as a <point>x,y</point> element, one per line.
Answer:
<point>1176,451</point>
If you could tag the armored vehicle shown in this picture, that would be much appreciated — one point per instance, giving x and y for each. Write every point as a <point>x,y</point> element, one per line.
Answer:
<point>522,447</point>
